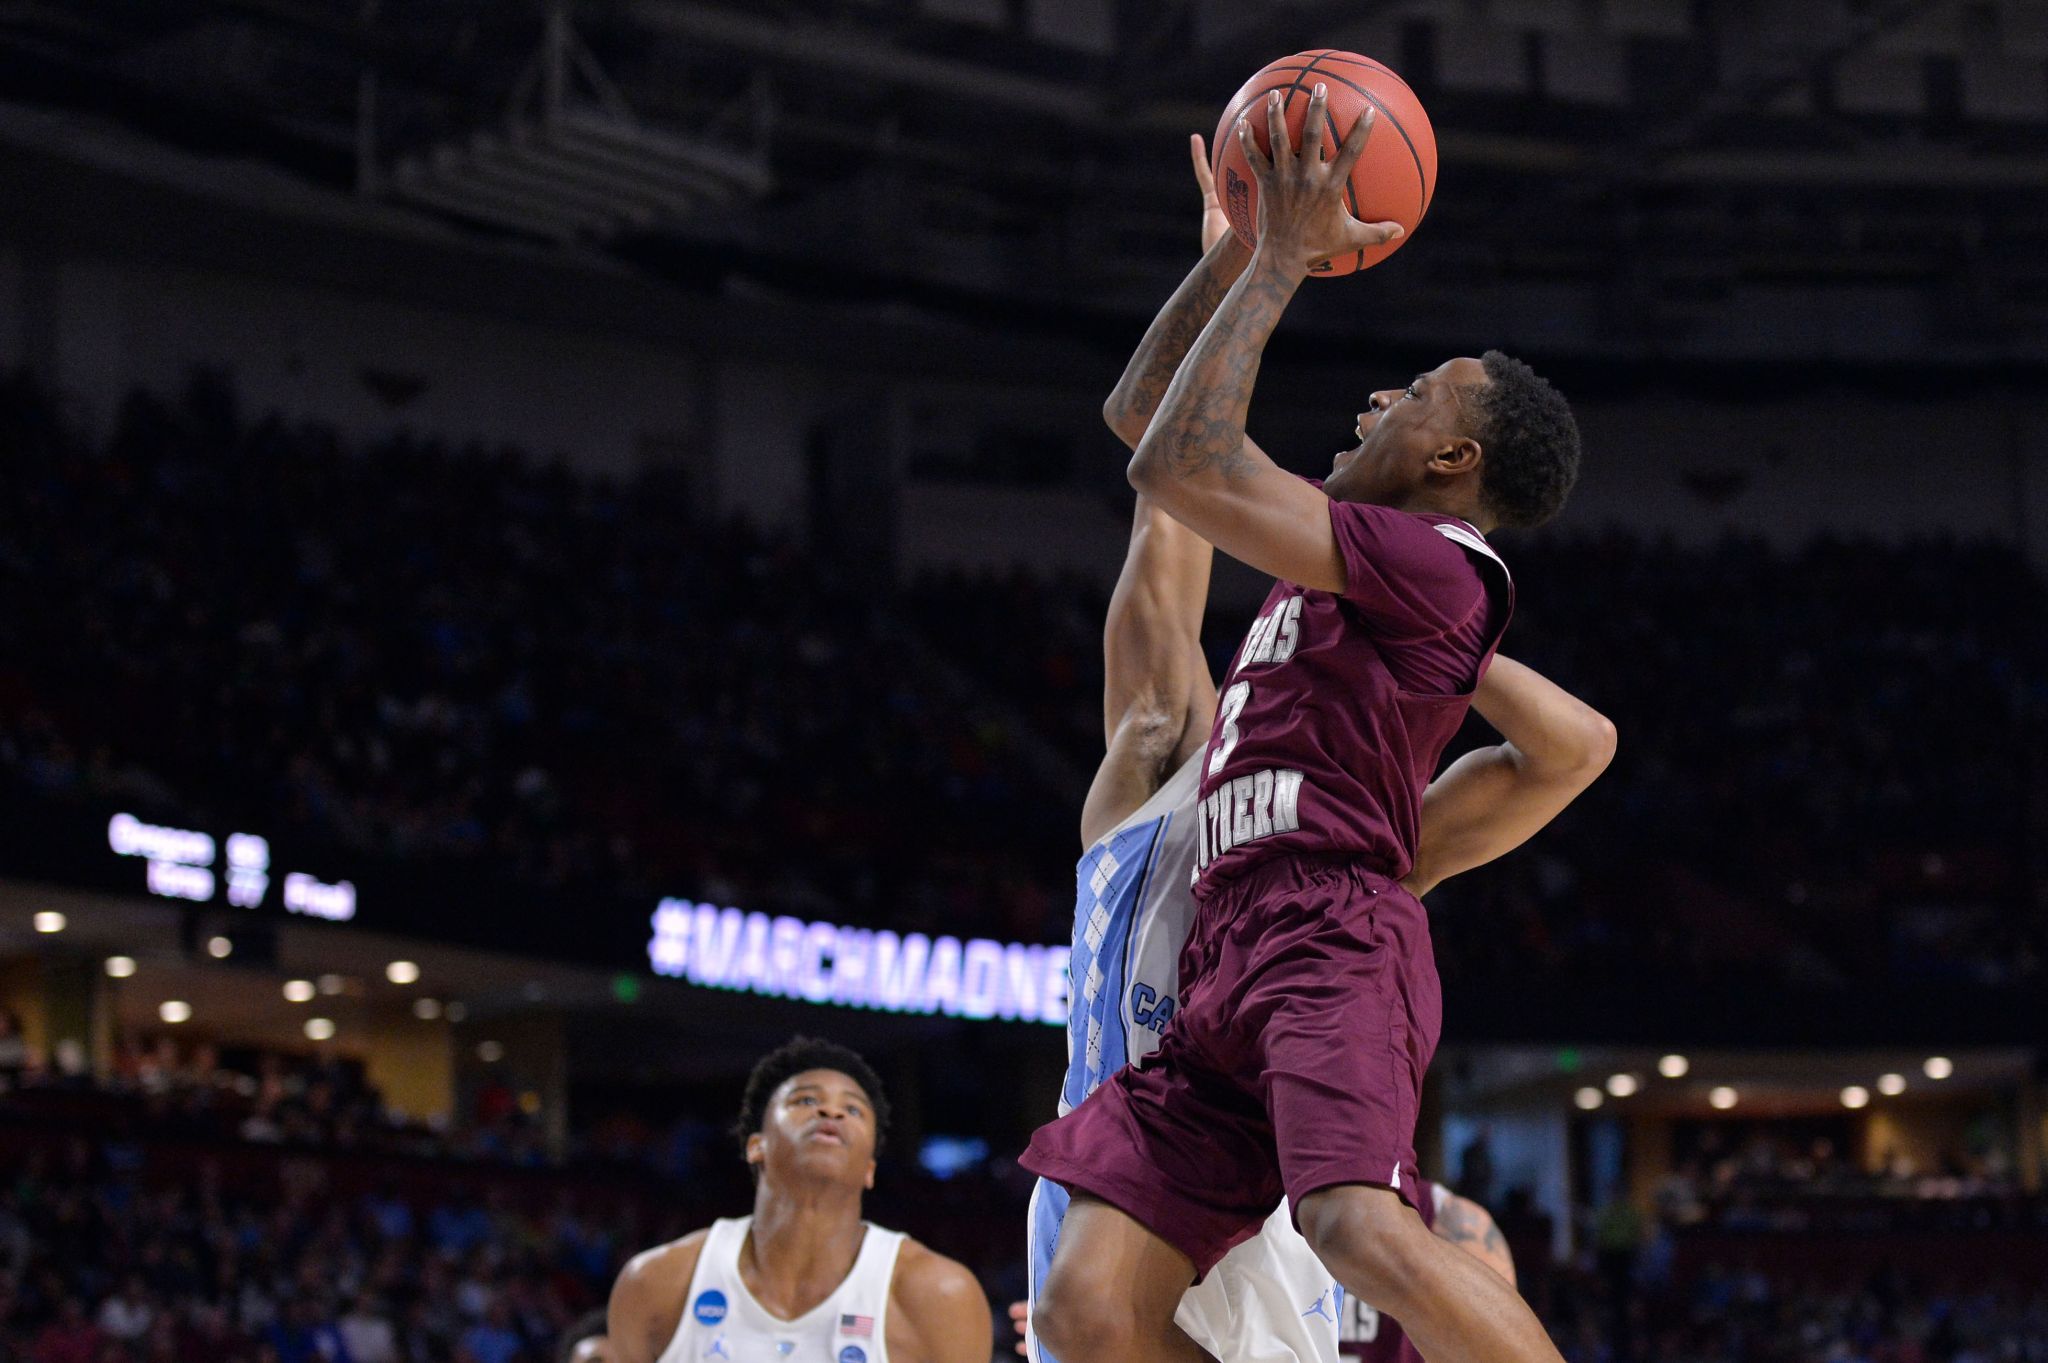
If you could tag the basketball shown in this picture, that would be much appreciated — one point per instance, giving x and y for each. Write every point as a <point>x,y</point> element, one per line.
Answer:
<point>1394,179</point>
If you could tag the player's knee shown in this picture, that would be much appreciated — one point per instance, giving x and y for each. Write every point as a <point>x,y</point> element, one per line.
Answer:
<point>1078,1318</point>
<point>1370,1240</point>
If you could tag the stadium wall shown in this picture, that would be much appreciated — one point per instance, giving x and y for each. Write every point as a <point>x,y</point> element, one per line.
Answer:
<point>746,428</point>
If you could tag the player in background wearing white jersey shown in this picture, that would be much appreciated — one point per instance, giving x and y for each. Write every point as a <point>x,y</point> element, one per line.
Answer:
<point>805,1278</point>
<point>1270,1298</point>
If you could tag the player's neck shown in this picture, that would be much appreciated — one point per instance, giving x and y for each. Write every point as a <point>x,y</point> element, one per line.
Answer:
<point>803,1242</point>
<point>1430,502</point>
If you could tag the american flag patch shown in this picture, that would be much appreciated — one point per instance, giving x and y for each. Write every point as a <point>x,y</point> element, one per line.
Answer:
<point>856,1325</point>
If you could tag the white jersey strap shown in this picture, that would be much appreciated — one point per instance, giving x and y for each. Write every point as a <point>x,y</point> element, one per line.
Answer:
<point>1462,532</point>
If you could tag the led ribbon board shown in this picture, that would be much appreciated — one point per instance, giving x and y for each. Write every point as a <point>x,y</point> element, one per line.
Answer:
<point>788,958</point>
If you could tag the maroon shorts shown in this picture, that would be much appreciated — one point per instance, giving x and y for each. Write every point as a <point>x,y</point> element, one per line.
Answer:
<point>1309,1012</point>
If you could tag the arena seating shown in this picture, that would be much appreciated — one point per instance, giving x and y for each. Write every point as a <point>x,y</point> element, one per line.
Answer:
<point>591,685</point>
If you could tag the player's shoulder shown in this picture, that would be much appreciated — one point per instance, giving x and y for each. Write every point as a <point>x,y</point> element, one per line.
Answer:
<point>647,1300</point>
<point>941,1300</point>
<point>927,1276</point>
<point>664,1263</point>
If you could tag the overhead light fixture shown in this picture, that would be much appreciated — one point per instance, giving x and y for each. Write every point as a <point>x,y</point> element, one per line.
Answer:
<point>1722,1098</point>
<point>1855,1096</point>
<point>1621,1085</point>
<point>402,972</point>
<point>1891,1085</point>
<point>490,1052</point>
<point>120,967</point>
<point>1673,1066</point>
<point>49,920</point>
<point>298,991</point>
<point>1588,1098</point>
<point>220,948</point>
<point>426,1010</point>
<point>1938,1067</point>
<point>319,1029</point>
<point>174,1011</point>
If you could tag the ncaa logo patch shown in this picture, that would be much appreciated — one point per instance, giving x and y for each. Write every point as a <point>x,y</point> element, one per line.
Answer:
<point>853,1353</point>
<point>709,1307</point>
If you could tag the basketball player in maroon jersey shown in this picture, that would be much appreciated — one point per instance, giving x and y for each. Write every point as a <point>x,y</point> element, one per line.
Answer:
<point>1310,1008</point>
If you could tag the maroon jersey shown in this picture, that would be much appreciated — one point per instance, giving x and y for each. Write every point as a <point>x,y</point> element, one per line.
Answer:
<point>1339,706</point>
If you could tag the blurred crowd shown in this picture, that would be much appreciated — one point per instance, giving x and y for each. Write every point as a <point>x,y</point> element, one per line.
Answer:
<point>462,656</point>
<point>98,1265</point>
<point>1832,762</point>
<point>146,1242</point>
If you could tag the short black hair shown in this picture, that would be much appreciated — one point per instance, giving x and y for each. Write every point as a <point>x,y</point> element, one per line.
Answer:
<point>589,1324</point>
<point>793,1057</point>
<point>1531,443</point>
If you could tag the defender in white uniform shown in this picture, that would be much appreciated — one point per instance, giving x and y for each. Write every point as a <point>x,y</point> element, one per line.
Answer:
<point>1270,1298</point>
<point>804,1279</point>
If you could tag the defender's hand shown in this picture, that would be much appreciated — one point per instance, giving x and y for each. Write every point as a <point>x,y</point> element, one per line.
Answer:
<point>1302,218</point>
<point>1020,1312</point>
<point>1214,225</point>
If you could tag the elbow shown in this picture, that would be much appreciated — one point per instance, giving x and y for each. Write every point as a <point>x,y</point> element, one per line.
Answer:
<point>1595,743</point>
<point>1143,471</point>
<point>1119,418</point>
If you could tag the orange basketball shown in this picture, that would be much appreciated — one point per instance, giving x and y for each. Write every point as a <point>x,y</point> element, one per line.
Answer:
<point>1394,179</point>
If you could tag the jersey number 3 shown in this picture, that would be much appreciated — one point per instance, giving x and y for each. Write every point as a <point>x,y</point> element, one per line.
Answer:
<point>1230,708</point>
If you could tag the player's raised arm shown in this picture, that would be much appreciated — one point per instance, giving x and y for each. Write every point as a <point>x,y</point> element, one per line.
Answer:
<point>1492,800</point>
<point>1136,396</point>
<point>1157,696</point>
<point>1194,459</point>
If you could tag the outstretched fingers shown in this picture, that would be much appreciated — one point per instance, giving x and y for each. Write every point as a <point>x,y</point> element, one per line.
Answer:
<point>1276,129</point>
<point>1260,163</point>
<point>1371,233</point>
<point>1198,152</point>
<point>1312,126</point>
<point>1354,142</point>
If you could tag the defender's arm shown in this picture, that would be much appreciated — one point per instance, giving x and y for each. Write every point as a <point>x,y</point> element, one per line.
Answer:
<point>1494,799</point>
<point>1157,696</point>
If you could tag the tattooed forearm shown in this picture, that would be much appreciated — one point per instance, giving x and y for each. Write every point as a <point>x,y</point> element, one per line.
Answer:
<point>1137,394</point>
<point>1199,427</point>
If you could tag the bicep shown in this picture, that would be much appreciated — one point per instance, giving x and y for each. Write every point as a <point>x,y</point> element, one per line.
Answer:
<point>1155,610</point>
<point>1257,513</point>
<point>1132,770</point>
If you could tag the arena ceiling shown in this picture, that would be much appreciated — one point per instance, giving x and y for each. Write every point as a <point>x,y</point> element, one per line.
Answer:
<point>1660,153</point>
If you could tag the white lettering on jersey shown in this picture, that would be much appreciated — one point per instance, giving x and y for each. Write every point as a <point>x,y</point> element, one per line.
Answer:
<point>1245,809</point>
<point>1274,636</point>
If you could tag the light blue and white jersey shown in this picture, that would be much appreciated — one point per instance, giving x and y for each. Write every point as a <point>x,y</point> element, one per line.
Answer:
<point>1269,1300</point>
<point>1132,911</point>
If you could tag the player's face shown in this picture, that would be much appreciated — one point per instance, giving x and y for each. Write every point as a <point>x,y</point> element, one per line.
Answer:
<point>1400,431</point>
<point>819,1124</point>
